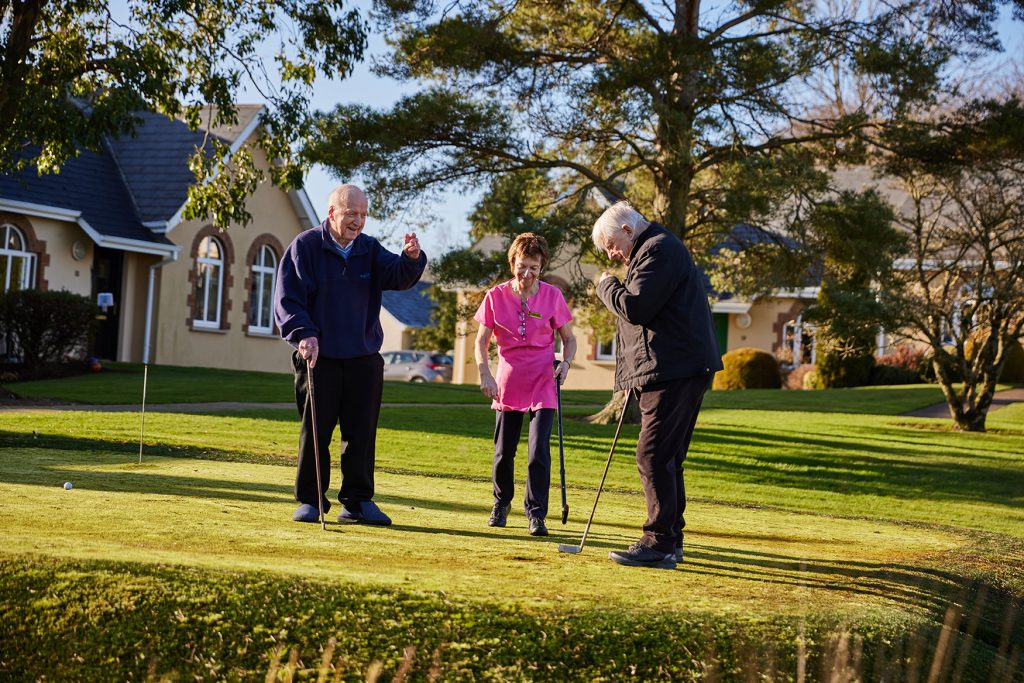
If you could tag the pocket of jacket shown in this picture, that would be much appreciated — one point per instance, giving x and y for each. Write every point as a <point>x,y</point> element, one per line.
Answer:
<point>646,343</point>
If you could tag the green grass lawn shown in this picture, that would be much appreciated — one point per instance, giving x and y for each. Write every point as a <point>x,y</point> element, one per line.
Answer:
<point>821,534</point>
<point>121,383</point>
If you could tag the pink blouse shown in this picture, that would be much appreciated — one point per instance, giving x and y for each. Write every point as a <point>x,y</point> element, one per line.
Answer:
<point>526,374</point>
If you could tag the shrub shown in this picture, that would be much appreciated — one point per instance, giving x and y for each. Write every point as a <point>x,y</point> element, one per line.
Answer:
<point>811,380</point>
<point>883,374</point>
<point>748,369</point>
<point>905,356</point>
<point>836,369</point>
<point>45,327</point>
<point>796,378</point>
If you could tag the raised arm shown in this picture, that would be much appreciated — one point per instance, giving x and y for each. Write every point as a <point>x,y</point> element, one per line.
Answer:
<point>644,293</point>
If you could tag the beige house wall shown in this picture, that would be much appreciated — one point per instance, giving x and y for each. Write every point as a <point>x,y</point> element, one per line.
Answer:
<point>177,341</point>
<point>134,288</point>
<point>63,272</point>
<point>767,317</point>
<point>396,335</point>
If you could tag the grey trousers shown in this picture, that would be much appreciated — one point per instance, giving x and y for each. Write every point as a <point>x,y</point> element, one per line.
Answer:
<point>507,429</point>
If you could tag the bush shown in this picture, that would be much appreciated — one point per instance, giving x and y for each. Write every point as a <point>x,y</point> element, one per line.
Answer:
<point>797,377</point>
<point>905,356</point>
<point>45,327</point>
<point>748,369</point>
<point>883,374</point>
<point>811,380</point>
<point>836,370</point>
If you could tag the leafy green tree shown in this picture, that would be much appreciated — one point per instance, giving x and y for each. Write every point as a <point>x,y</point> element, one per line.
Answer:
<point>440,334</point>
<point>689,111</point>
<point>960,287</point>
<point>857,243</point>
<point>75,71</point>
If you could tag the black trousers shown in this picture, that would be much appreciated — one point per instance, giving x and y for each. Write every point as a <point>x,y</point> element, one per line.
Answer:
<point>668,413</point>
<point>507,428</point>
<point>348,392</point>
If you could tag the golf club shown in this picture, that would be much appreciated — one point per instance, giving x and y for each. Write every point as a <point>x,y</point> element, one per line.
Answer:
<point>576,549</point>
<point>316,445</point>
<point>561,448</point>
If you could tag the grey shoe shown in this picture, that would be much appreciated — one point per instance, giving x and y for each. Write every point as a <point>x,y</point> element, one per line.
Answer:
<point>537,527</point>
<point>499,515</point>
<point>679,554</point>
<point>640,555</point>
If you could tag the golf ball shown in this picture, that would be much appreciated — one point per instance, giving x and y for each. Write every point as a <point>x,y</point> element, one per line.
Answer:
<point>67,486</point>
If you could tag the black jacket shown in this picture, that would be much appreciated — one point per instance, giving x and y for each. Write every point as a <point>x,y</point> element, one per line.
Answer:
<point>664,329</point>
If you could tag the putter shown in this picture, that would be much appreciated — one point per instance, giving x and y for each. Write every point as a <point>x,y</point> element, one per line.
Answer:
<point>561,448</point>
<point>576,549</point>
<point>316,445</point>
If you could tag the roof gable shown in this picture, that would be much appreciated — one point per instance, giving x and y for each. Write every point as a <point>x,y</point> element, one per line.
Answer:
<point>411,307</point>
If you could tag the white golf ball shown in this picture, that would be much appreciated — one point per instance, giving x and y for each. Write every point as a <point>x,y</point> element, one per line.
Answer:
<point>67,486</point>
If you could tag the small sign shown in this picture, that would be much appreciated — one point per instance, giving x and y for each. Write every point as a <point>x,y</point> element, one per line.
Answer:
<point>105,300</point>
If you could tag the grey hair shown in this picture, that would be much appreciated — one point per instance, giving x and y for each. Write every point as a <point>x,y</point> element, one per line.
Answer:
<point>341,194</point>
<point>612,220</point>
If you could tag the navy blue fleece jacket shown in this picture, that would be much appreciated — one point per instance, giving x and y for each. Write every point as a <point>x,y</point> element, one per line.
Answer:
<point>337,300</point>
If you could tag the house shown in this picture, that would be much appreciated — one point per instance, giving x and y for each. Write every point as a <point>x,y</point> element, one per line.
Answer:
<point>172,291</point>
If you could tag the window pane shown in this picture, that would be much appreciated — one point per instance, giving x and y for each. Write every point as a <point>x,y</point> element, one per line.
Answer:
<point>201,292</point>
<point>19,265</point>
<point>266,257</point>
<point>209,248</point>
<point>212,303</point>
<point>3,271</point>
<point>254,307</point>
<point>268,296</point>
<point>14,239</point>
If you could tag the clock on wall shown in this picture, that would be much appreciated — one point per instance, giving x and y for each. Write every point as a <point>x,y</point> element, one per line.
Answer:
<point>79,250</point>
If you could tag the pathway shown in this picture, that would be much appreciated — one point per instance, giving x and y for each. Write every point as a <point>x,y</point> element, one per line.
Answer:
<point>941,410</point>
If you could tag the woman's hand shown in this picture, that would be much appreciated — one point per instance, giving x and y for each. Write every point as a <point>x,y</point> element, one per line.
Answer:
<point>561,372</point>
<point>488,387</point>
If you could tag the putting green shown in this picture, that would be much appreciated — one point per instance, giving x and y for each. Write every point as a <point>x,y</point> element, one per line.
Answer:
<point>236,516</point>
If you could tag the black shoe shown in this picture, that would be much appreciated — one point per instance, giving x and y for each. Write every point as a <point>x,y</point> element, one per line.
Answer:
<point>537,527</point>
<point>679,553</point>
<point>640,555</point>
<point>499,515</point>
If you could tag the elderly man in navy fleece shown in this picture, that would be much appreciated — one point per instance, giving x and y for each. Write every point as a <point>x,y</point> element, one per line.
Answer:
<point>327,306</point>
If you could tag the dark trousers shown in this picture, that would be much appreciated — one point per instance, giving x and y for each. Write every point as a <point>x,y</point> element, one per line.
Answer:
<point>348,392</point>
<point>668,413</point>
<point>507,428</point>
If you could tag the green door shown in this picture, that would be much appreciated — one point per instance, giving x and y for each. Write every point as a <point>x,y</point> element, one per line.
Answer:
<point>722,331</point>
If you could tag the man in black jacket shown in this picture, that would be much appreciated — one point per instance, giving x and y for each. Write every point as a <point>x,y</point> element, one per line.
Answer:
<point>666,353</point>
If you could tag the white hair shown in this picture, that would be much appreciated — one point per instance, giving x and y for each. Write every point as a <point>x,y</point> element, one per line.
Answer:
<point>341,194</point>
<point>612,220</point>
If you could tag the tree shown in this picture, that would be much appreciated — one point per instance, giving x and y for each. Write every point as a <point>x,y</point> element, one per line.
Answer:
<point>701,117</point>
<point>74,72</point>
<point>688,112</point>
<point>960,287</point>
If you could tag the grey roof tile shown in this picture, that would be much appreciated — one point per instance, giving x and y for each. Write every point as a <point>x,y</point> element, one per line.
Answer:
<point>411,307</point>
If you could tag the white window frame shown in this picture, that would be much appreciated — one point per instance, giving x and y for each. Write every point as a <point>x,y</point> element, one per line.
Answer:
<point>218,265</point>
<point>28,273</point>
<point>799,330</point>
<point>260,271</point>
<point>610,355</point>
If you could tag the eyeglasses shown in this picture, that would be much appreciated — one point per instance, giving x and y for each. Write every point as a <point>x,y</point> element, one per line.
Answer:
<point>523,311</point>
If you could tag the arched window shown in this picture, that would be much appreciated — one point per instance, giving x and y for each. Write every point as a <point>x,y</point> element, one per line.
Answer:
<point>17,264</point>
<point>261,291</point>
<point>209,283</point>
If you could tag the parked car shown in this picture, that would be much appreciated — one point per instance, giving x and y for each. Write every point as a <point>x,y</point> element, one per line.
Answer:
<point>417,366</point>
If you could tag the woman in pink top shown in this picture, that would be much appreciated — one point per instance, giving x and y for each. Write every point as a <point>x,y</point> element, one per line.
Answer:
<point>523,314</point>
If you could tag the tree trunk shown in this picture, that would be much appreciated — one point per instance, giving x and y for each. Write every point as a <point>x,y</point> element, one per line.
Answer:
<point>611,412</point>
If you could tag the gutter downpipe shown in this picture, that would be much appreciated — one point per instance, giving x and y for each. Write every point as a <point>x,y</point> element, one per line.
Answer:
<point>149,304</point>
